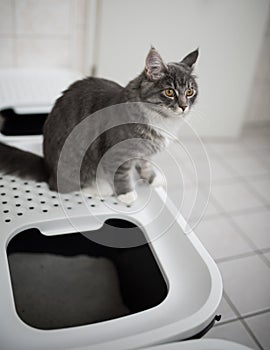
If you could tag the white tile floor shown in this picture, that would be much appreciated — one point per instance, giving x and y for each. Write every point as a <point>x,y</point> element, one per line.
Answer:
<point>236,230</point>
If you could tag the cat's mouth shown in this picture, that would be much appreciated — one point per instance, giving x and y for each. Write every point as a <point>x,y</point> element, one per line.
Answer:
<point>179,111</point>
<point>173,112</point>
<point>176,111</point>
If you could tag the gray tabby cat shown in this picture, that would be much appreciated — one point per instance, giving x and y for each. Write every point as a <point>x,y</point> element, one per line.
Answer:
<point>152,103</point>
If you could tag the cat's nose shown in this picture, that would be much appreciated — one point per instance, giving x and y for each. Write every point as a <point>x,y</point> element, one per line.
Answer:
<point>183,107</point>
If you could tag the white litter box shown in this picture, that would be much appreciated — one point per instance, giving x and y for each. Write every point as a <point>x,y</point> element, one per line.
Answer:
<point>169,283</point>
<point>82,273</point>
<point>201,344</point>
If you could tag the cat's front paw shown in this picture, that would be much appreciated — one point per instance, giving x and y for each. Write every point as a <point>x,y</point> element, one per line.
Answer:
<point>159,181</point>
<point>103,190</point>
<point>128,197</point>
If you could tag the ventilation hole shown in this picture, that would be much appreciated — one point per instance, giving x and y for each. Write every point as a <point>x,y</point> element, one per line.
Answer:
<point>89,197</point>
<point>13,180</point>
<point>17,205</point>
<point>31,208</point>
<point>56,205</point>
<point>14,188</point>
<point>25,183</point>
<point>102,200</point>
<point>66,199</point>
<point>1,185</point>
<point>7,220</point>
<point>19,214</point>
<point>92,205</point>
<point>4,202</point>
<point>42,202</point>
<point>38,186</point>
<point>40,194</point>
<point>16,196</point>
<point>128,206</point>
<point>69,208</point>
<point>45,210</point>
<point>1,178</point>
<point>5,211</point>
<point>3,194</point>
<point>29,199</point>
<point>53,197</point>
<point>77,194</point>
<point>27,191</point>
<point>79,202</point>
<point>115,203</point>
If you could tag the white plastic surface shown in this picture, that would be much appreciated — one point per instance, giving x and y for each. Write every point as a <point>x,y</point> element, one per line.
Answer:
<point>201,344</point>
<point>33,90</point>
<point>193,280</point>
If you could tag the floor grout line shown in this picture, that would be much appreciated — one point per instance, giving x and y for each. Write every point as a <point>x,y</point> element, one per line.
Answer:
<point>251,333</point>
<point>255,249</point>
<point>243,179</point>
<point>237,257</point>
<point>230,217</point>
<point>249,210</point>
<point>247,183</point>
<point>231,304</point>
<point>254,191</point>
<point>240,318</point>
<point>242,233</point>
<point>255,313</point>
<point>264,259</point>
<point>239,212</point>
<point>259,252</point>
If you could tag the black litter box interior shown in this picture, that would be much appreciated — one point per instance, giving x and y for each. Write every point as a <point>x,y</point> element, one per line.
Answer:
<point>68,280</point>
<point>14,124</point>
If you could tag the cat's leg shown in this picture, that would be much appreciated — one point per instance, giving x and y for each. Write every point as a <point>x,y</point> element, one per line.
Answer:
<point>147,173</point>
<point>123,185</point>
<point>52,183</point>
<point>101,189</point>
<point>62,185</point>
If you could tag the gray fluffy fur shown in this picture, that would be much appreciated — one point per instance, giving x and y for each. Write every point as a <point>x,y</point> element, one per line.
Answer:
<point>87,96</point>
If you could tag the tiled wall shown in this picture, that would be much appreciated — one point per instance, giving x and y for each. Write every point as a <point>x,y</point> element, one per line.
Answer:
<point>42,33</point>
<point>259,104</point>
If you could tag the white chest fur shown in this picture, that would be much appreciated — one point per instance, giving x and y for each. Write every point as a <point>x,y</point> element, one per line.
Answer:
<point>166,126</point>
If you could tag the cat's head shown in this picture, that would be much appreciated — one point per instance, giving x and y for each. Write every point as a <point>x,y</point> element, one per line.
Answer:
<point>172,86</point>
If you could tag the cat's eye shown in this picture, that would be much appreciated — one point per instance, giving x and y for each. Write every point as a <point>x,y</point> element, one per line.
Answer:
<point>190,92</point>
<point>169,92</point>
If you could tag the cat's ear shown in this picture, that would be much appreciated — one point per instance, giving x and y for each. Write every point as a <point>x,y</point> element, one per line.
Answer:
<point>191,58</point>
<point>154,65</point>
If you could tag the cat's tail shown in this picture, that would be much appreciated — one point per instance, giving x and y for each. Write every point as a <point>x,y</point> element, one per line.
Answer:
<point>23,164</point>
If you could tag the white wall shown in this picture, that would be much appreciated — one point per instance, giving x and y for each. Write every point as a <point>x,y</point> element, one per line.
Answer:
<point>42,33</point>
<point>51,33</point>
<point>258,109</point>
<point>229,34</point>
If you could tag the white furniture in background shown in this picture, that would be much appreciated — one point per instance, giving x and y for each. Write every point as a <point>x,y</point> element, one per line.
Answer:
<point>33,90</point>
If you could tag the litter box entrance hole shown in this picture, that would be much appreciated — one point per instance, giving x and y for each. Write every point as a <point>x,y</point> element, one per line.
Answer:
<point>68,280</point>
<point>14,124</point>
